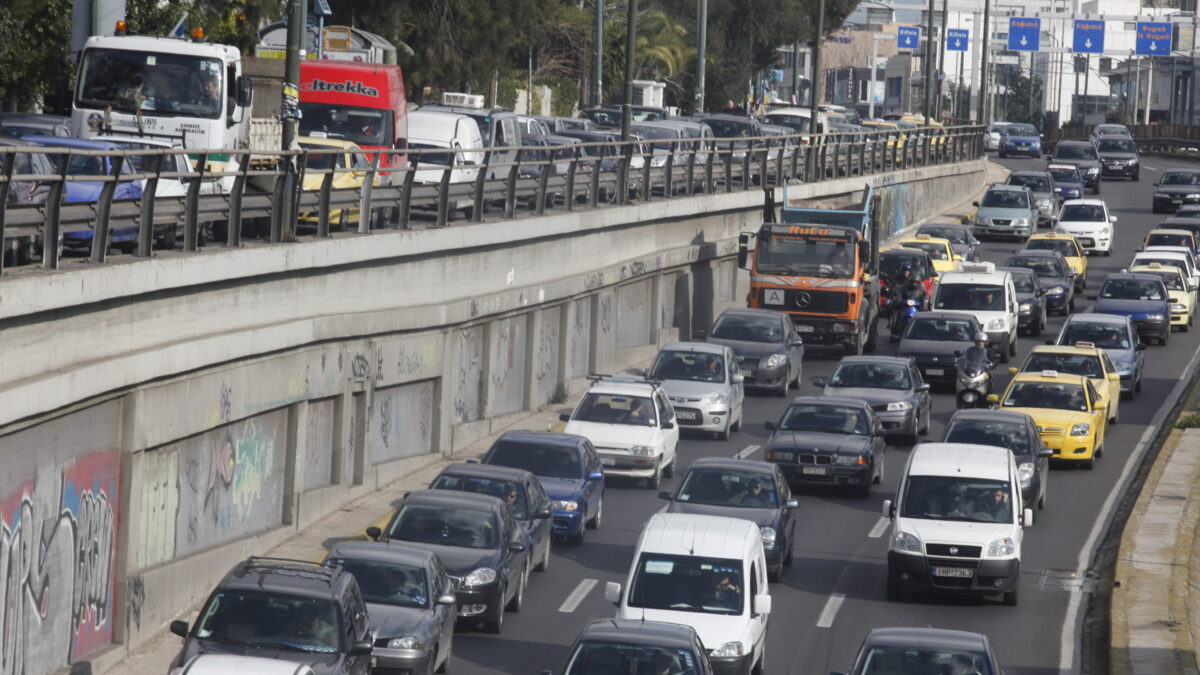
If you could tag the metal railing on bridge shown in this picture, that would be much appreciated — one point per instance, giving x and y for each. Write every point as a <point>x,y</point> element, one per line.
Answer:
<point>1164,138</point>
<point>224,203</point>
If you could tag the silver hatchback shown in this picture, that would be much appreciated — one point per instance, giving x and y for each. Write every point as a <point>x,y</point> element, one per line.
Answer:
<point>704,384</point>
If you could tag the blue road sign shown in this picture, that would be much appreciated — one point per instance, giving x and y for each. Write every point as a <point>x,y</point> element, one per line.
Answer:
<point>957,40</point>
<point>908,37</point>
<point>1024,34</point>
<point>1089,37</point>
<point>1153,37</point>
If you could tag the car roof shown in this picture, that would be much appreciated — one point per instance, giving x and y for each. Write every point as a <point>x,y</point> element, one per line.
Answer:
<point>698,535</point>
<point>1181,170</point>
<point>1064,143</point>
<point>699,347</point>
<point>328,142</point>
<point>733,463</point>
<point>1042,376</point>
<point>382,551</point>
<point>491,471</point>
<point>1052,235</point>
<point>1066,349</point>
<point>236,664</point>
<point>1036,253</point>
<point>1137,276</point>
<point>1155,268</point>
<point>623,385</point>
<point>1030,173</point>
<point>831,400</point>
<point>554,438</point>
<point>945,314</point>
<point>640,632</point>
<point>917,637</point>
<point>1167,230</point>
<point>1004,187</point>
<point>1072,167</point>
<point>957,226</point>
<point>871,358</point>
<point>986,414</point>
<point>747,311</point>
<point>14,142</point>
<point>71,142</point>
<point>454,499</point>
<point>1016,270</point>
<point>1089,201</point>
<point>285,577</point>
<point>1098,317</point>
<point>958,459</point>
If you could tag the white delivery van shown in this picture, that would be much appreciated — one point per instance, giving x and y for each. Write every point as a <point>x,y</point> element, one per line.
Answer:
<point>957,523</point>
<point>456,135</point>
<point>980,289</point>
<point>707,572</point>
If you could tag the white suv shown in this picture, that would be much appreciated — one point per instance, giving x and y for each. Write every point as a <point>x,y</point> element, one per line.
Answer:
<point>1090,222</point>
<point>632,426</point>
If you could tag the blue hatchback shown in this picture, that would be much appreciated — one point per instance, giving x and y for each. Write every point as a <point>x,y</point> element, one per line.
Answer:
<point>1020,139</point>
<point>567,467</point>
<point>1067,181</point>
<point>1141,297</point>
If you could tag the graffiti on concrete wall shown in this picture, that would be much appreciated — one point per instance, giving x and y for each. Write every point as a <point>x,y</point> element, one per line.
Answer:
<point>507,365</point>
<point>545,365</point>
<point>892,208</point>
<point>318,445</point>
<point>402,423</point>
<point>58,537</point>
<point>579,339</point>
<point>468,381</point>
<point>666,301</point>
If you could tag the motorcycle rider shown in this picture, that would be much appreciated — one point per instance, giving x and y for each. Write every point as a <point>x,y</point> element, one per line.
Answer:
<point>974,380</point>
<point>977,355</point>
<point>903,288</point>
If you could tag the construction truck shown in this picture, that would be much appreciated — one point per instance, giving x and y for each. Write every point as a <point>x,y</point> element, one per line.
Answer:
<point>821,268</point>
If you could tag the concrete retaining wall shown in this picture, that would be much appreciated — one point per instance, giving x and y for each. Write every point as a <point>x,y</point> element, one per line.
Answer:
<point>163,419</point>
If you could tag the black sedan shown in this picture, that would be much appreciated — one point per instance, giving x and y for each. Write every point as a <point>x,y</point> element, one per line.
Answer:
<point>410,602</point>
<point>933,340</point>
<point>628,646</point>
<point>1015,431</point>
<point>742,488</point>
<point>1119,157</point>
<point>828,440</point>
<point>769,350</point>
<point>477,538</point>
<point>1054,276</point>
<point>964,244</point>
<point>1176,188</point>
<point>1031,310</point>
<point>925,650</point>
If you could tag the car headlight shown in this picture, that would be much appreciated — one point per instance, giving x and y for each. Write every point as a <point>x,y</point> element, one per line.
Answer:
<point>719,398</point>
<point>1045,204</point>
<point>1124,365</point>
<point>1002,547</point>
<point>1194,195</point>
<point>1093,170</point>
<point>768,536</point>
<point>981,221</point>
<point>1161,194</point>
<point>1154,317</point>
<point>1178,307</point>
<point>899,405</point>
<point>1133,161</point>
<point>776,360</point>
<point>480,577</point>
<point>641,450</point>
<point>1081,429</point>
<point>565,505</point>
<point>1020,222</point>
<point>781,456</point>
<point>1025,472</point>
<point>850,460</point>
<point>995,324</point>
<point>906,542</point>
<point>1057,290</point>
<point>405,642</point>
<point>1026,307</point>
<point>728,649</point>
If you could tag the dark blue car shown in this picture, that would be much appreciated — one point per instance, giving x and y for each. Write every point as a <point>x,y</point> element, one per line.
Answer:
<point>567,467</point>
<point>1141,297</point>
<point>1067,181</point>
<point>1020,139</point>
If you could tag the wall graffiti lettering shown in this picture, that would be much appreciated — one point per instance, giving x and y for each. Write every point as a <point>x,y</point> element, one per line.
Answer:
<point>136,598</point>
<point>360,367</point>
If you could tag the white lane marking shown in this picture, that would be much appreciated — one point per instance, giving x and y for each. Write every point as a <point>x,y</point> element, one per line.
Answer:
<point>572,602</point>
<point>1073,623</point>
<point>832,605</point>
<point>1148,167</point>
<point>747,451</point>
<point>880,528</point>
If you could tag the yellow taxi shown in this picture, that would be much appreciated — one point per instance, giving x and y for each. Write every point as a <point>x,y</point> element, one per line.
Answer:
<point>1067,410</point>
<point>940,251</point>
<point>1082,359</point>
<point>1183,296</point>
<point>349,167</point>
<point>1071,251</point>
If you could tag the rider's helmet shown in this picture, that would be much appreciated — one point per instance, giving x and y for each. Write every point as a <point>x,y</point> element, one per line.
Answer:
<point>981,337</point>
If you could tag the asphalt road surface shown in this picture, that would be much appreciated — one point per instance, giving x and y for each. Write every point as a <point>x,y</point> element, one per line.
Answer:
<point>834,591</point>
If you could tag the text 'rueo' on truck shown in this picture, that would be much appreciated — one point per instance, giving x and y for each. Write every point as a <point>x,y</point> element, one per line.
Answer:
<point>820,266</point>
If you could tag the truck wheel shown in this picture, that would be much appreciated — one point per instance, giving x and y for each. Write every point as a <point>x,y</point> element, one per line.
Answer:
<point>872,334</point>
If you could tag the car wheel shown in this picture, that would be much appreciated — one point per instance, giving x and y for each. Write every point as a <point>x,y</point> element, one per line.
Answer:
<point>544,563</point>
<point>1042,499</point>
<point>1089,464</point>
<point>723,435</point>
<point>1012,346</point>
<point>1070,304</point>
<point>783,388</point>
<point>669,470</point>
<point>496,623</point>
<point>1035,326</point>
<point>925,427</point>
<point>1107,252</point>
<point>1002,155</point>
<point>1162,340</point>
<point>1004,356</point>
<point>596,520</point>
<point>655,482</point>
<point>518,598</point>
<point>1010,598</point>
<point>1137,175</point>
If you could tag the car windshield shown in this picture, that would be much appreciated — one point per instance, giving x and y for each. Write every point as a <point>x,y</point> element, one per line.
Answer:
<point>973,500</point>
<point>1171,279</point>
<point>1087,365</point>
<point>891,264</point>
<point>1065,175</point>
<point>387,583</point>
<point>686,583</point>
<point>872,376</point>
<point>748,328</point>
<point>1024,283</point>
<point>323,159</point>
<point>1020,130</point>
<point>1181,178</point>
<point>688,365</point>
<point>1105,337</point>
<point>794,122</point>
<point>935,250</point>
<point>164,84</point>
<point>942,330</point>
<point>956,235</point>
<point>728,487</point>
<point>826,418</point>
<point>1005,199</point>
<point>501,489</point>
<point>1116,145</point>
<point>1063,246</point>
<point>539,460</point>
<point>271,620</point>
<point>1035,183</point>
<point>1166,262</point>
<point>887,660</point>
<point>442,157</point>
<point>1009,435</point>
<point>812,255</point>
<point>1082,213</point>
<point>444,526</point>
<point>1065,151</point>
<point>615,409</point>
<point>368,127</point>
<point>612,658</point>
<point>730,128</point>
<point>1169,240</point>
<point>1056,395</point>
<point>1132,289</point>
<point>970,297</point>
<point>1043,267</point>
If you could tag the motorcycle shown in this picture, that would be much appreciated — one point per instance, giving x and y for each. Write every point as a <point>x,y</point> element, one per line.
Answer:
<point>901,314</point>
<point>973,384</point>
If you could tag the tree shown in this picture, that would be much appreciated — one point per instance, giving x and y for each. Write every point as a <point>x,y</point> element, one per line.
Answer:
<point>1024,99</point>
<point>33,66</point>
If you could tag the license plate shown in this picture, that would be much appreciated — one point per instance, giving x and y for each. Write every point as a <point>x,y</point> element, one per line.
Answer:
<point>685,414</point>
<point>814,470</point>
<point>956,572</point>
<point>804,329</point>
<point>608,461</point>
<point>748,373</point>
<point>1176,201</point>
<point>934,371</point>
<point>1086,242</point>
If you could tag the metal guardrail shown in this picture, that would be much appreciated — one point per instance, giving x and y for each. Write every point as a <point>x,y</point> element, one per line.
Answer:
<point>226,205</point>
<point>1167,138</point>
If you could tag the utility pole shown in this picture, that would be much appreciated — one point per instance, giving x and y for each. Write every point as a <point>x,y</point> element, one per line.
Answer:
<point>984,47</point>
<point>1149,89</point>
<point>702,31</point>
<point>874,74</point>
<point>290,114</point>
<point>630,64</point>
<point>817,79</point>
<point>930,64</point>
<point>796,100</point>
<point>598,55</point>
<point>942,57</point>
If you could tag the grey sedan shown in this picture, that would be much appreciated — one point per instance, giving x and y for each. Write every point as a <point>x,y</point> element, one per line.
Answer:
<point>1006,210</point>
<point>704,385</point>
<point>1117,336</point>
<point>769,350</point>
<point>891,384</point>
<point>410,602</point>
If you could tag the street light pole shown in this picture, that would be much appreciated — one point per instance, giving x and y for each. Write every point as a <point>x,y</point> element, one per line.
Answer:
<point>598,56</point>
<point>630,64</point>
<point>818,38</point>
<point>942,56</point>
<point>874,72</point>
<point>930,64</point>
<point>698,106</point>
<point>984,39</point>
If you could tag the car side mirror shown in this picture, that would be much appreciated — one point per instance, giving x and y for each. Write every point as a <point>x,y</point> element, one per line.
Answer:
<point>924,386</point>
<point>361,648</point>
<point>179,628</point>
<point>1050,342</point>
<point>1100,405</point>
<point>1139,347</point>
<point>1091,296</point>
<point>664,494</point>
<point>1027,518</point>
<point>516,546</point>
<point>596,475</point>
<point>738,378</point>
<point>564,417</point>
<point>612,592</point>
<point>762,604</point>
<point>796,342</point>
<point>1045,452</point>
<point>668,425</point>
<point>245,91</point>
<point>993,399</point>
<point>1012,371</point>
<point>700,334</point>
<point>975,204</point>
<point>769,425</point>
<point>878,431</point>
<point>743,250</point>
<point>447,599</point>
<point>374,533</point>
<point>792,504</point>
<point>1112,219</point>
<point>821,382</point>
<point>889,509</point>
<point>542,514</point>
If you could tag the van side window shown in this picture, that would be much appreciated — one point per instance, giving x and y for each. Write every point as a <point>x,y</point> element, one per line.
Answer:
<point>753,583</point>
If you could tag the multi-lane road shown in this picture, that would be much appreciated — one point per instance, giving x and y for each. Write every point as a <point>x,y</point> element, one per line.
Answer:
<point>834,591</point>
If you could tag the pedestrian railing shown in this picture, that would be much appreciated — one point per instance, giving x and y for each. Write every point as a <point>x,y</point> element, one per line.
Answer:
<point>1158,138</point>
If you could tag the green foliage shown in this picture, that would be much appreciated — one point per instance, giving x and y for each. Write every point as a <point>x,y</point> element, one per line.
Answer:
<point>1024,102</point>
<point>34,39</point>
<point>1189,421</point>
<point>564,94</point>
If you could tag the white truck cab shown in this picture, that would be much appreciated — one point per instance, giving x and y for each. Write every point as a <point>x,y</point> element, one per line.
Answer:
<point>989,294</point>
<point>707,572</point>
<point>957,523</point>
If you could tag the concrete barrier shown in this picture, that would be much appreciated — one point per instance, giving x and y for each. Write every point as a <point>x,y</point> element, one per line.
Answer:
<point>165,418</point>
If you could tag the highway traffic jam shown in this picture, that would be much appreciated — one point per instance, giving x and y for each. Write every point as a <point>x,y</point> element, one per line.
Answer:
<point>898,457</point>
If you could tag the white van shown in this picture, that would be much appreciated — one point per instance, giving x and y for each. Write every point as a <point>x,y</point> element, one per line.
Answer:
<point>707,572</point>
<point>978,288</point>
<point>457,134</point>
<point>957,523</point>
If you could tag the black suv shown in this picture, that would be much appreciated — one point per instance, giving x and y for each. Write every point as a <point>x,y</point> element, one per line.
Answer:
<point>276,608</point>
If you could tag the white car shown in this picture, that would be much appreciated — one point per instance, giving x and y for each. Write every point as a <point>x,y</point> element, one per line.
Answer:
<point>228,664</point>
<point>991,141</point>
<point>1175,256</point>
<point>631,424</point>
<point>1090,222</point>
<point>980,289</point>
